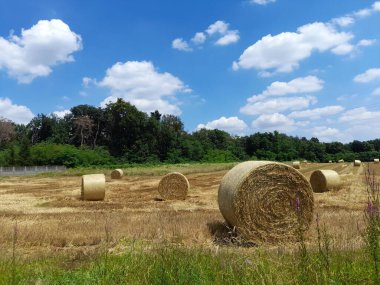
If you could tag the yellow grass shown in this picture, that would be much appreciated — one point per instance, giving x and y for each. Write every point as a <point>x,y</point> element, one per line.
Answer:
<point>51,218</point>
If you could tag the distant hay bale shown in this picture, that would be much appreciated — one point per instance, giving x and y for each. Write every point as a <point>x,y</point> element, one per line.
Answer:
<point>305,161</point>
<point>117,174</point>
<point>330,161</point>
<point>174,186</point>
<point>341,160</point>
<point>266,201</point>
<point>296,165</point>
<point>325,180</point>
<point>376,161</point>
<point>93,187</point>
<point>357,163</point>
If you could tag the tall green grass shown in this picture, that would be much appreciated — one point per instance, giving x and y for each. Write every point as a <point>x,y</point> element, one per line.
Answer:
<point>179,265</point>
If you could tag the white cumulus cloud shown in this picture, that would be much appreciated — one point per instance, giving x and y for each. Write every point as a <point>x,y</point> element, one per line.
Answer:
<point>199,38</point>
<point>38,49</point>
<point>274,122</point>
<point>284,52</point>
<point>278,105</point>
<point>62,114</point>
<point>308,84</point>
<point>230,38</point>
<point>324,133</point>
<point>368,76</point>
<point>316,113</point>
<point>262,2</point>
<point>16,113</point>
<point>366,42</point>
<point>180,44</point>
<point>141,84</point>
<point>232,125</point>
<point>358,115</point>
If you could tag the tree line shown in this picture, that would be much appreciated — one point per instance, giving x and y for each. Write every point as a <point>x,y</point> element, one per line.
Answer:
<point>119,133</point>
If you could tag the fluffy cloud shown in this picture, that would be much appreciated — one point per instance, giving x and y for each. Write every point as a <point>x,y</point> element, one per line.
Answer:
<point>358,115</point>
<point>16,113</point>
<point>199,38</point>
<point>369,75</point>
<point>274,122</point>
<point>141,84</point>
<point>299,85</point>
<point>268,53</point>
<point>365,43</point>
<point>278,105</point>
<point>232,125</point>
<point>230,38</point>
<point>62,114</point>
<point>219,29</point>
<point>180,44</point>
<point>262,2</point>
<point>316,113</point>
<point>38,49</point>
<point>324,133</point>
<point>343,21</point>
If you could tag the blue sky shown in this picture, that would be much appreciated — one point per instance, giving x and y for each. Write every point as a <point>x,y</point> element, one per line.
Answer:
<point>306,68</point>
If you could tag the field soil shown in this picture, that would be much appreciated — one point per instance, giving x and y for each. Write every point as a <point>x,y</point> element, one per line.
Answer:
<point>45,214</point>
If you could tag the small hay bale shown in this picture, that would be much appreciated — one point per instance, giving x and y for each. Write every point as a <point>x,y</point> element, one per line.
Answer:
<point>174,186</point>
<point>325,180</point>
<point>296,165</point>
<point>330,161</point>
<point>266,201</point>
<point>93,187</point>
<point>376,161</point>
<point>341,160</point>
<point>357,163</point>
<point>117,174</point>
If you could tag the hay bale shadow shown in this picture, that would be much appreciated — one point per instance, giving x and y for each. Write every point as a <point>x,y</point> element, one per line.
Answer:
<point>223,234</point>
<point>158,199</point>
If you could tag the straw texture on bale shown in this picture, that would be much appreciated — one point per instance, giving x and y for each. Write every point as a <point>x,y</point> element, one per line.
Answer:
<point>357,163</point>
<point>93,187</point>
<point>174,186</point>
<point>117,174</point>
<point>266,201</point>
<point>325,180</point>
<point>296,165</point>
<point>376,161</point>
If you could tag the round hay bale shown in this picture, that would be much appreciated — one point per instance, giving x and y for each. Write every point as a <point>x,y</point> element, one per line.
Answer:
<point>117,174</point>
<point>93,187</point>
<point>174,186</point>
<point>266,201</point>
<point>376,161</point>
<point>357,163</point>
<point>341,160</point>
<point>296,165</point>
<point>330,161</point>
<point>325,180</point>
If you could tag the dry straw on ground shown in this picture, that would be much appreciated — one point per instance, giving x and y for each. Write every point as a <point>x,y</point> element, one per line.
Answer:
<point>376,161</point>
<point>357,163</point>
<point>117,174</point>
<point>296,165</point>
<point>174,186</point>
<point>266,201</point>
<point>325,180</point>
<point>93,187</point>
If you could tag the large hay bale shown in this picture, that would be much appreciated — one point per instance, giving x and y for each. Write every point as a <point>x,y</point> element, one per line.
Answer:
<point>266,201</point>
<point>296,165</point>
<point>357,162</point>
<point>325,180</point>
<point>174,186</point>
<point>376,161</point>
<point>117,174</point>
<point>93,187</point>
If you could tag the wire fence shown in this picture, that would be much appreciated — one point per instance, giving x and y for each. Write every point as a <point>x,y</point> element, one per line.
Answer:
<point>29,170</point>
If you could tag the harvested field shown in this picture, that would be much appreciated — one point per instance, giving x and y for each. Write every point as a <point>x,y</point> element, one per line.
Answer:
<point>50,217</point>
